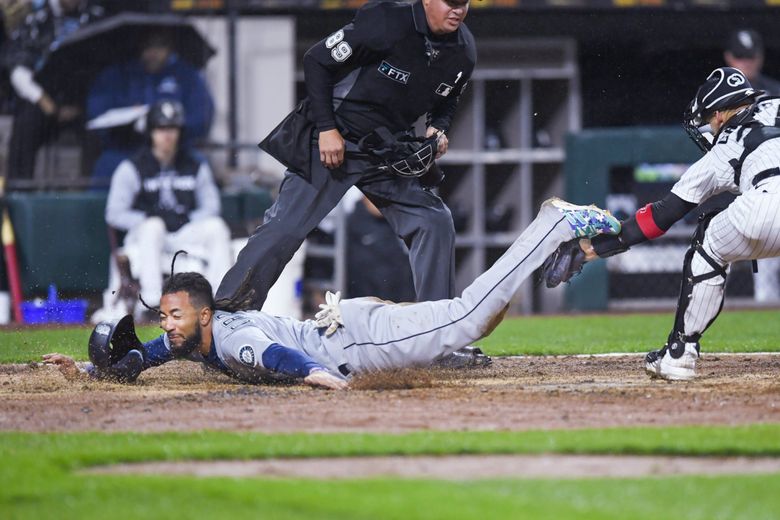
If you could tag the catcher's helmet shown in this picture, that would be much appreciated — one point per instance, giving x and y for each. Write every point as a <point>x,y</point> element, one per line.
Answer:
<point>725,87</point>
<point>166,113</point>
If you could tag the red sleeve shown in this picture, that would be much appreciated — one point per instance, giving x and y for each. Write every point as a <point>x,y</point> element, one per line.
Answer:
<point>646,223</point>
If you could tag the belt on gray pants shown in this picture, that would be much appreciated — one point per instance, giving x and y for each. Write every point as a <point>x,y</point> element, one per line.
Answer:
<point>345,369</point>
<point>760,176</point>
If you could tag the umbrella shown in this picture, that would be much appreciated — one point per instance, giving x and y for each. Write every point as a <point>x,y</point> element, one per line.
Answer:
<point>74,61</point>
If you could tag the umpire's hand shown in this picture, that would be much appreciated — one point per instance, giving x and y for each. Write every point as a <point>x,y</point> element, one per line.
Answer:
<point>443,142</point>
<point>331,148</point>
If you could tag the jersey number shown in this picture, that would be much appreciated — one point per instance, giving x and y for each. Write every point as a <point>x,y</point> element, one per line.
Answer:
<point>340,50</point>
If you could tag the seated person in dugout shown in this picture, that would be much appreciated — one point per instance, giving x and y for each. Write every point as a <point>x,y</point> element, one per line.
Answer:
<point>165,198</point>
<point>348,337</point>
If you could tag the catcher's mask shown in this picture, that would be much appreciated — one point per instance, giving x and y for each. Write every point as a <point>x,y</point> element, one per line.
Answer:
<point>419,161</point>
<point>402,154</point>
<point>725,87</point>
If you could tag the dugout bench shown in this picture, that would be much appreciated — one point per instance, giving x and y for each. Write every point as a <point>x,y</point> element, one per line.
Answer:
<point>62,238</point>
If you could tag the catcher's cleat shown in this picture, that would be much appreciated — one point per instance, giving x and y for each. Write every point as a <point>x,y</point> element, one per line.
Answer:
<point>679,362</point>
<point>653,361</point>
<point>584,221</point>
<point>467,357</point>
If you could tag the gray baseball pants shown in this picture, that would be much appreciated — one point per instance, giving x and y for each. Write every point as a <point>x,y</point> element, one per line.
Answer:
<point>380,335</point>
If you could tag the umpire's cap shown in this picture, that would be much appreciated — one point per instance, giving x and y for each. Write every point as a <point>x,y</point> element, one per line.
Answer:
<point>166,113</point>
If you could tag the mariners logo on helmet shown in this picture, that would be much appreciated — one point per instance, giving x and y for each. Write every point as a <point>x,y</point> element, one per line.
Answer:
<point>247,355</point>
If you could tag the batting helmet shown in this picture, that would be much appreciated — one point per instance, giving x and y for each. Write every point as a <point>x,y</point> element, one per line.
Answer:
<point>725,87</point>
<point>109,346</point>
<point>166,113</point>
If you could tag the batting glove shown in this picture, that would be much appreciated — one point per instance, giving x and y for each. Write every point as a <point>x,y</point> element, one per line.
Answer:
<point>330,314</point>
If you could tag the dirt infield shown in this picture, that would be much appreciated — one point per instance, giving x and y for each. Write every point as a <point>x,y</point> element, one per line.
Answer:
<point>513,394</point>
<point>457,467</point>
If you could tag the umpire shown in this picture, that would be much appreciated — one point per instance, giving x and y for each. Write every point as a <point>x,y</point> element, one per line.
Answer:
<point>367,84</point>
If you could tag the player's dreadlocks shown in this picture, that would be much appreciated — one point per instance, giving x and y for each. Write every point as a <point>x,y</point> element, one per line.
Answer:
<point>194,284</point>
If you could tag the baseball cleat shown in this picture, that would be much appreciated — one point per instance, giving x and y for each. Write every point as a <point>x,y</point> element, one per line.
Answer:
<point>653,361</point>
<point>467,357</point>
<point>585,221</point>
<point>682,367</point>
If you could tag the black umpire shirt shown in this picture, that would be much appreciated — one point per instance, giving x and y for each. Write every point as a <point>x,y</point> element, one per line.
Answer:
<point>386,68</point>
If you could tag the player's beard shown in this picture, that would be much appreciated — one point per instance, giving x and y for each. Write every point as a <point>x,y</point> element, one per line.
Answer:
<point>188,345</point>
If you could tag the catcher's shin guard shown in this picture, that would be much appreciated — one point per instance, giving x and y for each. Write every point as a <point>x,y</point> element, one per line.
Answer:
<point>678,337</point>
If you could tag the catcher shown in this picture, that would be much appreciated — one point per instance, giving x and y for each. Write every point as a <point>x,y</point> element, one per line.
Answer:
<point>743,157</point>
<point>347,337</point>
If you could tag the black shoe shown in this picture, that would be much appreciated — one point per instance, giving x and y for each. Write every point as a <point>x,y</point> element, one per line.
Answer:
<point>467,357</point>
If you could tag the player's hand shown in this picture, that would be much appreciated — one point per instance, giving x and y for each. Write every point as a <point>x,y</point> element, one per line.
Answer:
<point>331,148</point>
<point>68,113</point>
<point>323,379</point>
<point>587,248</point>
<point>443,143</point>
<point>47,105</point>
<point>66,365</point>
<point>329,316</point>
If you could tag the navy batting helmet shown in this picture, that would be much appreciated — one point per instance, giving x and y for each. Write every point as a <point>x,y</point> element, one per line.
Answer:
<point>725,87</point>
<point>166,113</point>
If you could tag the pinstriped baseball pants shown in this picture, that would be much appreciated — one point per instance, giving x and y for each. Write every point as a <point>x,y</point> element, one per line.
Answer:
<point>748,229</point>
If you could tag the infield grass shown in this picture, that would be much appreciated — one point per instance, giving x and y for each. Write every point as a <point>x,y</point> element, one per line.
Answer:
<point>39,477</point>
<point>735,331</point>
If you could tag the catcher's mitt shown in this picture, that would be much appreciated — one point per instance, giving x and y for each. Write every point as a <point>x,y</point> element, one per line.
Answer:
<point>565,263</point>
<point>115,350</point>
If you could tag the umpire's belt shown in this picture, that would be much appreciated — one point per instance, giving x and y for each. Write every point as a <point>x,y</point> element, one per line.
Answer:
<point>761,176</point>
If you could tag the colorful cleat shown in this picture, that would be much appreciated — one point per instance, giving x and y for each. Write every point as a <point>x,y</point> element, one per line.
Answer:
<point>585,221</point>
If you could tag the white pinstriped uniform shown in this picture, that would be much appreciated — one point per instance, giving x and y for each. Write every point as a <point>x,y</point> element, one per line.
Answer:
<point>749,228</point>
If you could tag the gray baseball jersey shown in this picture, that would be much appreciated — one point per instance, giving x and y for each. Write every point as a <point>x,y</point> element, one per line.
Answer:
<point>379,335</point>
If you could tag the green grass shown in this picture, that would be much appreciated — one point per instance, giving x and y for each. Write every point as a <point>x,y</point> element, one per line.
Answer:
<point>742,331</point>
<point>37,478</point>
<point>733,331</point>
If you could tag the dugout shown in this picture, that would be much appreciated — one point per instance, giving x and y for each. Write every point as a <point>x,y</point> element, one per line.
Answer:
<point>61,237</point>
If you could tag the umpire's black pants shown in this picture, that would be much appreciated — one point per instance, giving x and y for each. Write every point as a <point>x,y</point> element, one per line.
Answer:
<point>418,216</point>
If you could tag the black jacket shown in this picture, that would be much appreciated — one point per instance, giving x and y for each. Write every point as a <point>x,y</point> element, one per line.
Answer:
<point>387,69</point>
<point>384,69</point>
<point>182,179</point>
<point>28,45</point>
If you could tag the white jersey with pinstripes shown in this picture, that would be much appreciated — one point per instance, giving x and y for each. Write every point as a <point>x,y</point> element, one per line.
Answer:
<point>713,174</point>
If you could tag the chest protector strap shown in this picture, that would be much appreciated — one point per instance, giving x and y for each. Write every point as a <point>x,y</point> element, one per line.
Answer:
<point>757,136</point>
